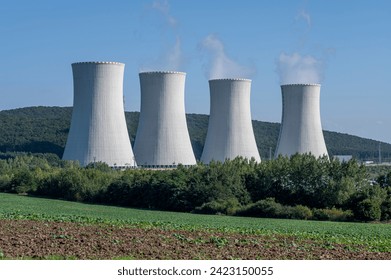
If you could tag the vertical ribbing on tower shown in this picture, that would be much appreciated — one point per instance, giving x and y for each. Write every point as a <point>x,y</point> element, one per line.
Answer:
<point>301,129</point>
<point>162,138</point>
<point>230,131</point>
<point>98,131</point>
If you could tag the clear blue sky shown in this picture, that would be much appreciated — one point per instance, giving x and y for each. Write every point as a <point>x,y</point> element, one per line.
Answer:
<point>347,43</point>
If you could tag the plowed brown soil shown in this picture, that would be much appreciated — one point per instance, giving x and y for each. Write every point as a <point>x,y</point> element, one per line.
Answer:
<point>39,239</point>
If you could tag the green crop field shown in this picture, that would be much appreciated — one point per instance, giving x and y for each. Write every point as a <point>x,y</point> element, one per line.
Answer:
<point>376,236</point>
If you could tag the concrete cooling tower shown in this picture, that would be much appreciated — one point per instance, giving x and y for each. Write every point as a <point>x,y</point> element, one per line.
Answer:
<point>301,129</point>
<point>98,131</point>
<point>230,131</point>
<point>162,139</point>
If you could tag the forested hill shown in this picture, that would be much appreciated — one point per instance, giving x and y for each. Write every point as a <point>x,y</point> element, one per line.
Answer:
<point>45,129</point>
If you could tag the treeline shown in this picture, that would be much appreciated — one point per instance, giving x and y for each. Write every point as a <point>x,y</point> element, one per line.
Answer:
<point>45,130</point>
<point>299,187</point>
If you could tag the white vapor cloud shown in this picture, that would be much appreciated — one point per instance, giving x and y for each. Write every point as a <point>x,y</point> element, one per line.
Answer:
<point>220,65</point>
<point>302,14</point>
<point>174,56</point>
<point>164,8</point>
<point>171,57</point>
<point>169,60</point>
<point>298,69</point>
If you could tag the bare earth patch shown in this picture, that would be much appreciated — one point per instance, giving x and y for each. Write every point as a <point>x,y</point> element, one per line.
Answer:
<point>40,239</point>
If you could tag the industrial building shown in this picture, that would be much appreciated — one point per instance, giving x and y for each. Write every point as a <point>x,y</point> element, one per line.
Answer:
<point>98,131</point>
<point>162,138</point>
<point>301,129</point>
<point>230,131</point>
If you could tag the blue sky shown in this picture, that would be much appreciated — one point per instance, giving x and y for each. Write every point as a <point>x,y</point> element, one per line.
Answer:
<point>345,45</point>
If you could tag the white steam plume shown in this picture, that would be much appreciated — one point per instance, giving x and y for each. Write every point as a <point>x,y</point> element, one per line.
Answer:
<point>298,69</point>
<point>170,58</point>
<point>220,65</point>
<point>302,14</point>
<point>174,56</point>
<point>164,8</point>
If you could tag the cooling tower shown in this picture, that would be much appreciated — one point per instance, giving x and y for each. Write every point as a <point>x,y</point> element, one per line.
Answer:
<point>230,131</point>
<point>98,131</point>
<point>301,129</point>
<point>162,139</point>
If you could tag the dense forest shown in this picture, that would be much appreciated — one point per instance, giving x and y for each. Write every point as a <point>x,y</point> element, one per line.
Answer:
<point>32,141</point>
<point>45,129</point>
<point>299,187</point>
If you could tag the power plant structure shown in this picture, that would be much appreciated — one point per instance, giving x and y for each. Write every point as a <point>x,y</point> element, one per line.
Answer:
<point>162,138</point>
<point>98,131</point>
<point>301,129</point>
<point>230,131</point>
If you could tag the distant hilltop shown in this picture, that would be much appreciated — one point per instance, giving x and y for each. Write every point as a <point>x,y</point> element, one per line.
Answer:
<point>45,130</point>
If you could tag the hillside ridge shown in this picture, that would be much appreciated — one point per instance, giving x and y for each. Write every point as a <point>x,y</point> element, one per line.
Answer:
<point>44,129</point>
